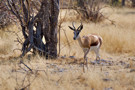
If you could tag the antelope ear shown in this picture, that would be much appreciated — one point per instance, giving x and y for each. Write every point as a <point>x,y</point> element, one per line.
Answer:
<point>71,28</point>
<point>80,27</point>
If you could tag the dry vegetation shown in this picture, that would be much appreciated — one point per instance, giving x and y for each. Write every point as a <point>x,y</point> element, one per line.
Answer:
<point>66,73</point>
<point>7,40</point>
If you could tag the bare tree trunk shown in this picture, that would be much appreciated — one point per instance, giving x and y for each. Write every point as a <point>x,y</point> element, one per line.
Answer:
<point>50,20</point>
<point>44,22</point>
<point>133,3</point>
<point>53,28</point>
<point>123,3</point>
<point>45,7</point>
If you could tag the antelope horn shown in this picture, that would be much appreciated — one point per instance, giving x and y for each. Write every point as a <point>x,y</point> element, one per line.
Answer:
<point>73,25</point>
<point>80,26</point>
<point>81,23</point>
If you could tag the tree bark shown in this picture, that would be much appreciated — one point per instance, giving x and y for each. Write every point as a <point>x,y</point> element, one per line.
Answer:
<point>50,20</point>
<point>123,3</point>
<point>53,28</point>
<point>34,27</point>
<point>133,3</point>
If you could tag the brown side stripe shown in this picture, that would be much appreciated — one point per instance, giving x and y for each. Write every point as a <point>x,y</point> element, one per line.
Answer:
<point>94,44</point>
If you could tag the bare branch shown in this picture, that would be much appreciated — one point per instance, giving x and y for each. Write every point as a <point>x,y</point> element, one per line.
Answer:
<point>21,62</point>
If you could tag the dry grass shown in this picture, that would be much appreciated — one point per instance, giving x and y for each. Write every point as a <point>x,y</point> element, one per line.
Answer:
<point>5,43</point>
<point>66,74</point>
<point>56,75</point>
<point>118,38</point>
<point>7,40</point>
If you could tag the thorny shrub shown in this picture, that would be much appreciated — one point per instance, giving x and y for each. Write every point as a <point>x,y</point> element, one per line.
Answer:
<point>89,10</point>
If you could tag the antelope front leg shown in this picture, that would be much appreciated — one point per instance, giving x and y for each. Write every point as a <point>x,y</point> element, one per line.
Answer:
<point>85,57</point>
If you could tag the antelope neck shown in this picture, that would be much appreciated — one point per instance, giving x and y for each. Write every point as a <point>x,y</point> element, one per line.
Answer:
<point>80,41</point>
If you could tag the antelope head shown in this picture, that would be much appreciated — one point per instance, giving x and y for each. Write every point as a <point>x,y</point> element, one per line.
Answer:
<point>76,31</point>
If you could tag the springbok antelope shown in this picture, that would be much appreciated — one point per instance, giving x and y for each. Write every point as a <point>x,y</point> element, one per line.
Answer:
<point>91,42</point>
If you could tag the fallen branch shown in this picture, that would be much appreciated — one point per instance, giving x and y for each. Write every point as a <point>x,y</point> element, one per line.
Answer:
<point>21,62</point>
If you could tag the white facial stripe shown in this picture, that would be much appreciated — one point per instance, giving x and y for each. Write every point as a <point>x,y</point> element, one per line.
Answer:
<point>77,37</point>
